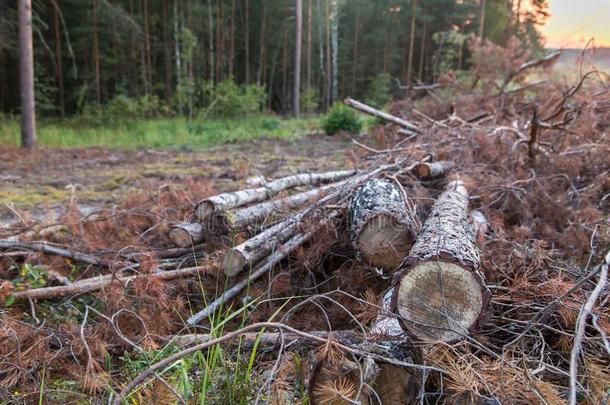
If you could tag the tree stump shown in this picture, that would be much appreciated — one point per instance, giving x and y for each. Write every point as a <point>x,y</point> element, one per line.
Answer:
<point>382,224</point>
<point>439,291</point>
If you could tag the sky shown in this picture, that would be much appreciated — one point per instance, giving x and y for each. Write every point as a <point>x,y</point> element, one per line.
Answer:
<point>574,22</point>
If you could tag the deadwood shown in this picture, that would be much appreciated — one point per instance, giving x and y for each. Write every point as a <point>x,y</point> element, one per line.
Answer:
<point>439,292</point>
<point>258,213</point>
<point>357,105</point>
<point>47,248</point>
<point>222,202</point>
<point>382,224</point>
<point>432,170</point>
<point>186,234</point>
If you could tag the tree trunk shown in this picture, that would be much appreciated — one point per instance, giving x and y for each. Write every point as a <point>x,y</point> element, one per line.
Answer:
<point>147,53</point>
<point>186,234</point>
<point>211,40</point>
<point>383,225</point>
<point>261,49</point>
<point>411,42</point>
<point>482,19</point>
<point>247,39</point>
<point>232,41</point>
<point>308,63</point>
<point>167,51</point>
<point>284,96</point>
<point>26,75</point>
<point>334,18</point>
<point>355,51</point>
<point>296,89</point>
<point>422,48</point>
<point>222,202</point>
<point>439,292</point>
<point>177,55</point>
<point>327,73</point>
<point>58,62</point>
<point>96,54</point>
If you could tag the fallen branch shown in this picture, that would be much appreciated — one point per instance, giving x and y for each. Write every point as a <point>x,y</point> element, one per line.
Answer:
<point>44,247</point>
<point>546,60</point>
<point>280,254</point>
<point>431,170</point>
<point>380,114</point>
<point>222,202</point>
<point>581,323</point>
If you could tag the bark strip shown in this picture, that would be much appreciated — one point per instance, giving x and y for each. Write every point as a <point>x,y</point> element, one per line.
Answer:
<point>439,292</point>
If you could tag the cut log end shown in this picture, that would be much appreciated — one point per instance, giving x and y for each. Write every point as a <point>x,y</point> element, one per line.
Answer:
<point>384,242</point>
<point>186,235</point>
<point>234,263</point>
<point>422,170</point>
<point>204,210</point>
<point>439,301</point>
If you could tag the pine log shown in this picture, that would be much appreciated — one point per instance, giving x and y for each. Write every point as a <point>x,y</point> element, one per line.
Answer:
<point>357,105</point>
<point>186,234</point>
<point>439,291</point>
<point>382,226</point>
<point>256,214</point>
<point>222,202</point>
<point>431,170</point>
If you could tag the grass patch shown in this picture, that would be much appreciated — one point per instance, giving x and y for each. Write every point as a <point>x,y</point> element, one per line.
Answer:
<point>158,132</point>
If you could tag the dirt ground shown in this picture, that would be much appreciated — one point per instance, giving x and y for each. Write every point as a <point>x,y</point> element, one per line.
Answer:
<point>39,184</point>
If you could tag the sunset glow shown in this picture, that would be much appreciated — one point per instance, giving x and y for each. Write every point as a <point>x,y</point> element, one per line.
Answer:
<point>574,22</point>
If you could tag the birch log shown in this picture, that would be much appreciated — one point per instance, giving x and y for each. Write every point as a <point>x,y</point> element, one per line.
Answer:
<point>382,226</point>
<point>431,170</point>
<point>186,234</point>
<point>222,202</point>
<point>439,292</point>
<point>357,105</point>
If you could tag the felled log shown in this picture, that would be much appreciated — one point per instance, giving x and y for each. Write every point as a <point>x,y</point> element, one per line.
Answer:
<point>225,201</point>
<point>357,105</point>
<point>432,170</point>
<point>186,234</point>
<point>277,256</point>
<point>256,214</point>
<point>382,225</point>
<point>439,291</point>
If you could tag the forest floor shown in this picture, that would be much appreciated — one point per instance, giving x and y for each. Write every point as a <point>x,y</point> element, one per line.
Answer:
<point>42,183</point>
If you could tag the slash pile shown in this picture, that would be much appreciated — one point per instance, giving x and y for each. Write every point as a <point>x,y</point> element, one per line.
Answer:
<point>464,259</point>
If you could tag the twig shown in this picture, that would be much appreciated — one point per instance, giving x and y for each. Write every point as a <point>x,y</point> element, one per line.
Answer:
<point>581,323</point>
<point>357,105</point>
<point>256,326</point>
<point>56,250</point>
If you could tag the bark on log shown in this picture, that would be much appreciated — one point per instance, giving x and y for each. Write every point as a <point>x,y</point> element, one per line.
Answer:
<point>439,292</point>
<point>186,234</point>
<point>222,202</point>
<point>431,170</point>
<point>357,105</point>
<point>256,214</point>
<point>382,226</point>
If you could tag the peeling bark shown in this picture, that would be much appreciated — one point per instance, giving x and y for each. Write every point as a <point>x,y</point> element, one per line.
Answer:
<point>382,226</point>
<point>439,292</point>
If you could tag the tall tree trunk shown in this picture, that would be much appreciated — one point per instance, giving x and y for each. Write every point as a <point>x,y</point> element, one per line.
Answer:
<point>308,52</point>
<point>422,49</point>
<point>335,50</point>
<point>355,51</point>
<point>482,19</point>
<point>211,39</point>
<point>167,51</point>
<point>59,76</point>
<point>327,78</point>
<point>411,42</point>
<point>247,40</point>
<point>262,53</point>
<point>147,56</point>
<point>296,91</point>
<point>232,41</point>
<point>177,55</point>
<point>285,69</point>
<point>26,75</point>
<point>96,54</point>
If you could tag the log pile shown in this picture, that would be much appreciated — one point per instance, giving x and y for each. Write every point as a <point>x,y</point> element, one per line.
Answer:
<point>451,265</point>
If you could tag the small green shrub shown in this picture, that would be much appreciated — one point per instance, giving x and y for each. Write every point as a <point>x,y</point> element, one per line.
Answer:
<point>270,124</point>
<point>378,92</point>
<point>228,99</point>
<point>341,118</point>
<point>309,100</point>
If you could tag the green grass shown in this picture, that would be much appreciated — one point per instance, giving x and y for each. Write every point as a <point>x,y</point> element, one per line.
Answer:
<point>157,132</point>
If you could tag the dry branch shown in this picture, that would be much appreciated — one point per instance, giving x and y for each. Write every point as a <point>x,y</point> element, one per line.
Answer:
<point>382,224</point>
<point>58,251</point>
<point>431,170</point>
<point>186,234</point>
<point>380,114</point>
<point>222,202</point>
<point>439,292</point>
